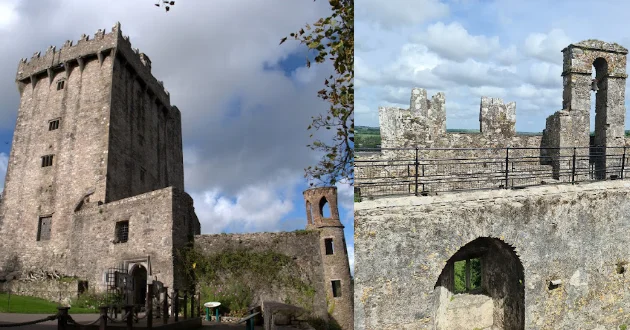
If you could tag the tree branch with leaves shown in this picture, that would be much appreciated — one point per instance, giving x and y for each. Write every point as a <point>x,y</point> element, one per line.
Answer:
<point>332,38</point>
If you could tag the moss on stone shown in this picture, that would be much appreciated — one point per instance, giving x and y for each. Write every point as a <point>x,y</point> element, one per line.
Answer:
<point>249,272</point>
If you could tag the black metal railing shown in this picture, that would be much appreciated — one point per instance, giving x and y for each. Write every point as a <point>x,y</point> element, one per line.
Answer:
<point>426,171</point>
<point>130,316</point>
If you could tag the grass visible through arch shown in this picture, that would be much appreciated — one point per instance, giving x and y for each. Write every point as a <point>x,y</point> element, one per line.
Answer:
<point>32,305</point>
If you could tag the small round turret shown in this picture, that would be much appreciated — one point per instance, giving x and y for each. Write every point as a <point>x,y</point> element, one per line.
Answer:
<point>323,215</point>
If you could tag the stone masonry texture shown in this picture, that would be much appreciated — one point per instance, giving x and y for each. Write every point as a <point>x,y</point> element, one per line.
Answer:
<point>302,247</point>
<point>308,249</point>
<point>117,156</point>
<point>576,234</point>
<point>551,257</point>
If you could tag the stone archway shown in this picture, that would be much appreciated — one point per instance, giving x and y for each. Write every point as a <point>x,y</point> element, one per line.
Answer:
<point>482,286</point>
<point>139,275</point>
<point>598,141</point>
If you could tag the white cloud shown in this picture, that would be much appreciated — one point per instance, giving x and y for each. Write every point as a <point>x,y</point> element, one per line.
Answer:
<point>474,73</point>
<point>547,46</point>
<point>396,96</point>
<point>414,66</point>
<point>345,195</point>
<point>395,13</point>
<point>363,72</point>
<point>351,258</point>
<point>459,111</point>
<point>509,49</point>
<point>254,208</point>
<point>214,58</point>
<point>545,74</point>
<point>526,91</point>
<point>305,75</point>
<point>537,100</point>
<point>8,14</point>
<point>453,42</point>
<point>4,161</point>
<point>489,91</point>
<point>508,56</point>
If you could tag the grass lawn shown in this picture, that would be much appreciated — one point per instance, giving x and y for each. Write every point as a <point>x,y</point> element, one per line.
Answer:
<point>32,305</point>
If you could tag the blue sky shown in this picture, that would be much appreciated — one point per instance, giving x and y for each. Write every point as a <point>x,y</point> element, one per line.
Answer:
<point>472,48</point>
<point>246,101</point>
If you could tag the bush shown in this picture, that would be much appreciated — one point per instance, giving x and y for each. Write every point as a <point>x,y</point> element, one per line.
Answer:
<point>93,300</point>
<point>233,296</point>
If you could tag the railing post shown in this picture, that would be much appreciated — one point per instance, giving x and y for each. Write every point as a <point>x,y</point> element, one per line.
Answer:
<point>150,306</point>
<point>62,321</point>
<point>176,305</point>
<point>103,323</point>
<point>185,304</point>
<point>623,162</point>
<point>416,174</point>
<point>573,167</point>
<point>507,166</point>
<point>192,304</point>
<point>129,314</point>
<point>165,306</point>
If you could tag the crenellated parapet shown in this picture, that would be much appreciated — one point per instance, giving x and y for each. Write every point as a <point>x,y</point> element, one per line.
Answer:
<point>71,56</point>
<point>424,123</point>
<point>425,120</point>
<point>497,118</point>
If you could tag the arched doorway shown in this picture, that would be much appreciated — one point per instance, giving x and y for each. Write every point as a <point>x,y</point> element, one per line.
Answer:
<point>481,286</point>
<point>599,87</point>
<point>139,275</point>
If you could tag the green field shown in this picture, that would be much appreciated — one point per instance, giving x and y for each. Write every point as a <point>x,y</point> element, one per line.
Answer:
<point>32,305</point>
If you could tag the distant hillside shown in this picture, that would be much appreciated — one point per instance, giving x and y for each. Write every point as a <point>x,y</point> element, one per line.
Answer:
<point>370,137</point>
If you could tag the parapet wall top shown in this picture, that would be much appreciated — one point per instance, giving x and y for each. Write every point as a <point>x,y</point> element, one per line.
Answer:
<point>595,44</point>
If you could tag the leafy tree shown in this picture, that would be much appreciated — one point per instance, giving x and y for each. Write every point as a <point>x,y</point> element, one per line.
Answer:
<point>332,38</point>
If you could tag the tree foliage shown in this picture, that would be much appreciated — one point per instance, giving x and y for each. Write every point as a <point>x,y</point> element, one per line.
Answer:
<point>332,38</point>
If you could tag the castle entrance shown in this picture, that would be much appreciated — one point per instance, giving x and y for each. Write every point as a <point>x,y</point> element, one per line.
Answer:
<point>482,286</point>
<point>139,275</point>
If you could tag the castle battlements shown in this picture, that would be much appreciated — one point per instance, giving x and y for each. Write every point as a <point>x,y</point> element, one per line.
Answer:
<point>424,123</point>
<point>70,55</point>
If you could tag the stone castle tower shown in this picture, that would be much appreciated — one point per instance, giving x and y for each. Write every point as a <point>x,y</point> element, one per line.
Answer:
<point>334,252</point>
<point>95,177</point>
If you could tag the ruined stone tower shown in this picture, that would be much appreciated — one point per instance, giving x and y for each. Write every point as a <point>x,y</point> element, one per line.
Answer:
<point>95,177</point>
<point>570,127</point>
<point>333,251</point>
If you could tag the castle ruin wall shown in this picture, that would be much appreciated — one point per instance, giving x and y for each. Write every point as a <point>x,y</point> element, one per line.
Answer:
<point>423,125</point>
<point>572,234</point>
<point>302,246</point>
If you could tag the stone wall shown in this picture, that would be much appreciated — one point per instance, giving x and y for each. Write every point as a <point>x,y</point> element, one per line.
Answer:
<point>79,147</point>
<point>423,125</point>
<point>160,222</point>
<point>496,118</point>
<point>153,236</point>
<point>302,246</point>
<point>61,291</point>
<point>144,136</point>
<point>117,156</point>
<point>575,234</point>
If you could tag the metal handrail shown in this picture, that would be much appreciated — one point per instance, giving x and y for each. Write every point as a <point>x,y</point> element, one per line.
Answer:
<point>421,171</point>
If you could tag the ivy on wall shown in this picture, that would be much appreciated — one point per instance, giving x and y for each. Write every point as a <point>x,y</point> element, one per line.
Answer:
<point>236,277</point>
